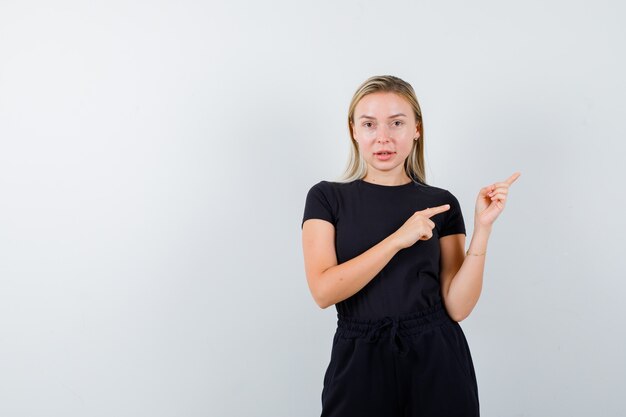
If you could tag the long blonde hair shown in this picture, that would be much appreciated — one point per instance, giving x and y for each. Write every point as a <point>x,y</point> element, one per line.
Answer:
<point>414,163</point>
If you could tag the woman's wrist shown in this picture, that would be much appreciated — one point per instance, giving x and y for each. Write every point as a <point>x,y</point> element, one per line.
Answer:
<point>480,238</point>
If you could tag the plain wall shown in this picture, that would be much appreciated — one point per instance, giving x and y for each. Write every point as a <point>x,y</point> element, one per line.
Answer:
<point>154,163</point>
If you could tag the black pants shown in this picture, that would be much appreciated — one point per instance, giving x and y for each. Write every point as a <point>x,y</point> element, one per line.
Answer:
<point>416,365</point>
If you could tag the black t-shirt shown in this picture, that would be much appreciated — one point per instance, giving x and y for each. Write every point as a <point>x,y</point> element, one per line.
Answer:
<point>363,215</point>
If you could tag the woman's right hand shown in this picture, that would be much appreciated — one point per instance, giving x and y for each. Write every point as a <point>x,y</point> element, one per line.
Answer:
<point>418,227</point>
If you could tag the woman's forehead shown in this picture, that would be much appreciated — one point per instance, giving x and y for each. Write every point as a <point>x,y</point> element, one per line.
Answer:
<point>382,105</point>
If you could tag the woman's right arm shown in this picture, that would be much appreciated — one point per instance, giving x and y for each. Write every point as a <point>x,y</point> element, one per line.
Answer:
<point>330,283</point>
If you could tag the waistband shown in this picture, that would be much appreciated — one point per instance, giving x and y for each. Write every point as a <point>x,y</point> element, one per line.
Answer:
<point>399,326</point>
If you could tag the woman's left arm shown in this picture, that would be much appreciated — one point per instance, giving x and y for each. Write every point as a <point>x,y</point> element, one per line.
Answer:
<point>461,275</point>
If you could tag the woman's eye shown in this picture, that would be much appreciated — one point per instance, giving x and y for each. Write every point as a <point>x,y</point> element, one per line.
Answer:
<point>367,124</point>
<point>398,121</point>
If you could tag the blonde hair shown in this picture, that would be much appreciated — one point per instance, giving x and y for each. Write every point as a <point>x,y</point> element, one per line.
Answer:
<point>414,163</point>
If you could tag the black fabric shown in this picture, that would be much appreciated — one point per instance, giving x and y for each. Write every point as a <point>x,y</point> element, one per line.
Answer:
<point>413,366</point>
<point>363,215</point>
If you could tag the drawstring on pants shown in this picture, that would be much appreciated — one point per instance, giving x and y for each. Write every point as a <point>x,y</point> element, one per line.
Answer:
<point>400,326</point>
<point>398,345</point>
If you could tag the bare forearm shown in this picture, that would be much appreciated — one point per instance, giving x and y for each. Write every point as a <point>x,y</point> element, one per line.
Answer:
<point>344,280</point>
<point>467,284</point>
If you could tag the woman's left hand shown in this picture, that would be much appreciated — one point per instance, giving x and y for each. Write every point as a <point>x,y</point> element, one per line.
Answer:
<point>491,200</point>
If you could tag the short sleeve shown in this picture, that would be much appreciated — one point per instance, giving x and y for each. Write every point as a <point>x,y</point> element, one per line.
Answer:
<point>318,203</point>
<point>453,222</point>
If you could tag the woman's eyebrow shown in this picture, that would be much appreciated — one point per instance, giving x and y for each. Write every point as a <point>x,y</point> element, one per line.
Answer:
<point>391,117</point>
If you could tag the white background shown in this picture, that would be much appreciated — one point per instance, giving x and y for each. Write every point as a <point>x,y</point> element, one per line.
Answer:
<point>155,158</point>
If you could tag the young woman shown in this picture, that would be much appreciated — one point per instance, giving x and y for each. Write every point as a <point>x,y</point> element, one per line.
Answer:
<point>387,250</point>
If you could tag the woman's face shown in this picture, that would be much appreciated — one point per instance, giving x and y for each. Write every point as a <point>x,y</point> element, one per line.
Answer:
<point>384,121</point>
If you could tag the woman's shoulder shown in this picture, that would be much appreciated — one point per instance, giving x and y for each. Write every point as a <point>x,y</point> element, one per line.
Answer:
<point>444,193</point>
<point>324,188</point>
<point>333,185</point>
<point>434,190</point>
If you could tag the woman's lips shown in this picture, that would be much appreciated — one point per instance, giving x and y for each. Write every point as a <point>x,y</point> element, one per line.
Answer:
<point>384,156</point>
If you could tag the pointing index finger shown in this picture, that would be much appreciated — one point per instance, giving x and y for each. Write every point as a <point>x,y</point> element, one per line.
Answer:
<point>512,178</point>
<point>431,211</point>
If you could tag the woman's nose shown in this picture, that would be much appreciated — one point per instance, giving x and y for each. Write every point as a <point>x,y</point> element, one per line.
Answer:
<point>383,134</point>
